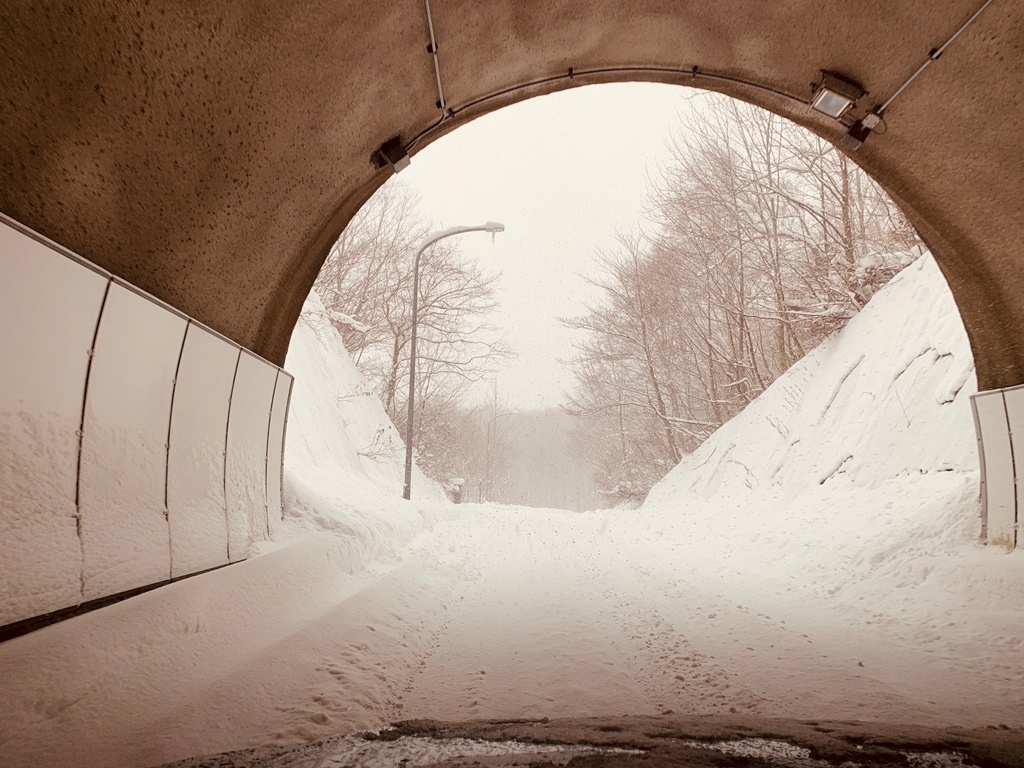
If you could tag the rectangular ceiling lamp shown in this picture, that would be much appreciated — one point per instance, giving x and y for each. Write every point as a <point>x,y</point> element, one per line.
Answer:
<point>835,95</point>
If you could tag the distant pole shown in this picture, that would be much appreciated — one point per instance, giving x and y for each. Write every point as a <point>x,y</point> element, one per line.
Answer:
<point>492,449</point>
<point>492,227</point>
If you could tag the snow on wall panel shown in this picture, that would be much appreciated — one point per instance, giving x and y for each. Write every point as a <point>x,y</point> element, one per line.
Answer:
<point>997,459</point>
<point>125,537</point>
<point>49,306</point>
<point>195,489</point>
<point>275,448</point>
<point>1014,400</point>
<point>246,476</point>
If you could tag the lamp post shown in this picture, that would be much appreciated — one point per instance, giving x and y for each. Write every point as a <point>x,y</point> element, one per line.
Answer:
<point>491,226</point>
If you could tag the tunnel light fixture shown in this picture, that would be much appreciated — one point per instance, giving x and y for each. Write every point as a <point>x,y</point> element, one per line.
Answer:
<point>392,152</point>
<point>854,137</point>
<point>860,131</point>
<point>835,94</point>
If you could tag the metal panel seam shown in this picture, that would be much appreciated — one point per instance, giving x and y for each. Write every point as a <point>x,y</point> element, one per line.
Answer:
<point>284,433</point>
<point>227,433</point>
<point>1013,463</point>
<point>983,484</point>
<point>81,439</point>
<point>167,452</point>
<point>266,457</point>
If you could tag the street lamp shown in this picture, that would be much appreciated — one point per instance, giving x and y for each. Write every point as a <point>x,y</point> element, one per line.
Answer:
<point>491,226</point>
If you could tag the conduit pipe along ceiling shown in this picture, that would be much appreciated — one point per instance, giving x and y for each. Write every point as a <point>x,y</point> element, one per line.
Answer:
<point>834,95</point>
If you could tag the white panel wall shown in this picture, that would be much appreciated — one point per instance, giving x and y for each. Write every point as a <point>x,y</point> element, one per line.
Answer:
<point>136,446</point>
<point>199,425</point>
<point>275,449</point>
<point>997,459</point>
<point>49,306</point>
<point>246,477</point>
<point>124,445</point>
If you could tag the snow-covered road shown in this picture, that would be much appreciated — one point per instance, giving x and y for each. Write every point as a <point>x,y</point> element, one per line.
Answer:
<point>503,612</point>
<point>510,612</point>
<point>816,558</point>
<point>554,614</point>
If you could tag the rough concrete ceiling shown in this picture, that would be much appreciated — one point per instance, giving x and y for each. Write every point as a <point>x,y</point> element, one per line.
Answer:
<point>211,152</point>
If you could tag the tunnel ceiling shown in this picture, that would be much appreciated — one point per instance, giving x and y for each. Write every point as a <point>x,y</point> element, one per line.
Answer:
<point>211,152</point>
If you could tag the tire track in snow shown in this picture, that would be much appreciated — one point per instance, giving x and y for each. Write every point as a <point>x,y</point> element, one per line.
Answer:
<point>530,635</point>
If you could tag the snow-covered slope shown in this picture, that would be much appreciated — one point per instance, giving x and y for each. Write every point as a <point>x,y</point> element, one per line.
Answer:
<point>857,473</point>
<point>344,459</point>
<point>887,398</point>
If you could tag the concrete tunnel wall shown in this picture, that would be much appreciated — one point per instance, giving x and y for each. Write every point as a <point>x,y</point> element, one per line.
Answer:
<point>210,153</point>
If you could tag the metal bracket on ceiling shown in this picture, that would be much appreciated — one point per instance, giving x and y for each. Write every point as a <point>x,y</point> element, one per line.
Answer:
<point>432,50</point>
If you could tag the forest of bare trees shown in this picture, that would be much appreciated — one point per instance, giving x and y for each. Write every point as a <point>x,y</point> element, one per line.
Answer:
<point>761,240</point>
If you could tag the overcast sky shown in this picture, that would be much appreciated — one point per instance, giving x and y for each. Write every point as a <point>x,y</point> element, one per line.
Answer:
<point>563,173</point>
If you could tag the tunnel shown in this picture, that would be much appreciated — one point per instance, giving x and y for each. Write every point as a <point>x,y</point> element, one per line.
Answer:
<point>200,160</point>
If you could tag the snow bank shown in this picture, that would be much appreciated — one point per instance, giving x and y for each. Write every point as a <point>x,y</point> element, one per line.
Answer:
<point>121,686</point>
<point>129,668</point>
<point>888,397</point>
<point>344,459</point>
<point>857,472</point>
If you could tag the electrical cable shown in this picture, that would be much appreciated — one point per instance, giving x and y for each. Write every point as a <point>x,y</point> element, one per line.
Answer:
<point>693,72</point>
<point>932,56</point>
<point>437,66</point>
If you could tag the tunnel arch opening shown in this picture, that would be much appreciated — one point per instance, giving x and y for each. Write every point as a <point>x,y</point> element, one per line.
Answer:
<point>203,154</point>
<point>498,135</point>
<point>790,106</point>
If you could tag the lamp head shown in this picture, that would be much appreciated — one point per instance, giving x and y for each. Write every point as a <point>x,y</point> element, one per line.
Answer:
<point>835,95</point>
<point>494,226</point>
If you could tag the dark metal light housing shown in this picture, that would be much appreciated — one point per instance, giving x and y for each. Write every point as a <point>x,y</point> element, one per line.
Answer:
<point>835,95</point>
<point>393,153</point>
<point>856,136</point>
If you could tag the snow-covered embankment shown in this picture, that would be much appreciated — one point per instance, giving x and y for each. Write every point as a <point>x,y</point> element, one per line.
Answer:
<point>856,473</point>
<point>344,458</point>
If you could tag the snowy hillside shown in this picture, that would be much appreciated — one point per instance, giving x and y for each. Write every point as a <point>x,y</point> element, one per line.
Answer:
<point>857,473</point>
<point>887,398</point>
<point>344,459</point>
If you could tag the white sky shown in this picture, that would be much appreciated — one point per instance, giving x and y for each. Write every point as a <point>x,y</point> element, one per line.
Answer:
<point>563,173</point>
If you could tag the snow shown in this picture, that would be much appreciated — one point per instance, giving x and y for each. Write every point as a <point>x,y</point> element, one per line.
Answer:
<point>344,468</point>
<point>817,557</point>
<point>767,749</point>
<point>342,319</point>
<point>409,751</point>
<point>40,415</point>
